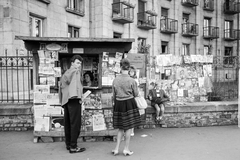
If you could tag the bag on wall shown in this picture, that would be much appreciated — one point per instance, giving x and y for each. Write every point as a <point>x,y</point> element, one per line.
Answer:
<point>141,102</point>
<point>161,100</point>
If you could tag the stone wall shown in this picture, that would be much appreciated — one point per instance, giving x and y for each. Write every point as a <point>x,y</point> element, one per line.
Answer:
<point>16,117</point>
<point>195,115</point>
<point>20,117</point>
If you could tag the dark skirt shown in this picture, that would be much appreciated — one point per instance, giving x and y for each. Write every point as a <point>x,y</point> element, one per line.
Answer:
<point>126,114</point>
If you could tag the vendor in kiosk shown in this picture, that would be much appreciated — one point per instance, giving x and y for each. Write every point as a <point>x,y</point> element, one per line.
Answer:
<point>88,79</point>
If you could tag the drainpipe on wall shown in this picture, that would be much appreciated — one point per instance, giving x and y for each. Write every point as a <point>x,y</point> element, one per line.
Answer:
<point>218,52</point>
<point>238,73</point>
<point>238,38</point>
<point>129,26</point>
<point>238,17</point>
<point>153,32</point>
<point>196,19</point>
<point>90,18</point>
<point>129,30</point>
<point>216,48</point>
<point>174,35</point>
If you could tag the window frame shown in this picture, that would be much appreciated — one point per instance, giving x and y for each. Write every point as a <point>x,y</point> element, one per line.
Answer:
<point>228,60</point>
<point>166,45</point>
<point>76,7</point>
<point>73,28</point>
<point>163,13</point>
<point>32,31</point>
<point>185,17</point>
<point>117,35</point>
<point>228,26</point>
<point>206,24</point>
<point>207,50</point>
<point>185,49</point>
<point>142,43</point>
<point>141,6</point>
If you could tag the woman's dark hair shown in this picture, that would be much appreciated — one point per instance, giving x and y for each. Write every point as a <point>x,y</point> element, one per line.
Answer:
<point>76,57</point>
<point>153,84</point>
<point>125,64</point>
<point>90,75</point>
<point>134,70</point>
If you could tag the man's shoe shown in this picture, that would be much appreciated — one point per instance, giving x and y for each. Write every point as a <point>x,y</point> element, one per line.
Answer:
<point>76,150</point>
<point>68,147</point>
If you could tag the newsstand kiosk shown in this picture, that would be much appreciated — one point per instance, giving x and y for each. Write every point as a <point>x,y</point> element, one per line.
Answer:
<point>51,58</point>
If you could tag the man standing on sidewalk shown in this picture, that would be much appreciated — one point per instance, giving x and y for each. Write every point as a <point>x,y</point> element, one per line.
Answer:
<point>71,91</point>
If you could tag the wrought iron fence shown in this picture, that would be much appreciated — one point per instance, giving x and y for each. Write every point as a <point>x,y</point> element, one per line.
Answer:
<point>224,78</point>
<point>16,78</point>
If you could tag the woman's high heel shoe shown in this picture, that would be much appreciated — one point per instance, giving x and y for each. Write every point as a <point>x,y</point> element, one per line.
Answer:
<point>127,153</point>
<point>114,152</point>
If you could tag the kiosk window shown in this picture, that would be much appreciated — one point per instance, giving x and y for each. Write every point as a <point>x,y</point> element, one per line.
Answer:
<point>90,69</point>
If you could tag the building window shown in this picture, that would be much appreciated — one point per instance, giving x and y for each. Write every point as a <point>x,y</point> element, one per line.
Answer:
<point>141,41</point>
<point>76,7</point>
<point>228,29</point>
<point>141,45</point>
<point>206,26</point>
<point>164,47</point>
<point>35,26</point>
<point>164,12</point>
<point>185,20</point>
<point>74,4</point>
<point>228,58</point>
<point>141,6</point>
<point>117,35</point>
<point>208,4</point>
<point>207,50</point>
<point>73,32</point>
<point>185,49</point>
<point>185,17</point>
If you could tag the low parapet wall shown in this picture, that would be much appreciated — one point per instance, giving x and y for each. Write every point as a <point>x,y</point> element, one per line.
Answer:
<point>195,115</point>
<point>20,117</point>
<point>16,117</point>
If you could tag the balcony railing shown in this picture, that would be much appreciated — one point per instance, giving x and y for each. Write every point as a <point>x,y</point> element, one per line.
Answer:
<point>232,7</point>
<point>168,25</point>
<point>75,11</point>
<point>123,12</point>
<point>237,33</point>
<point>189,29</point>
<point>208,5</point>
<point>147,20</point>
<point>190,3</point>
<point>210,32</point>
<point>229,61</point>
<point>231,34</point>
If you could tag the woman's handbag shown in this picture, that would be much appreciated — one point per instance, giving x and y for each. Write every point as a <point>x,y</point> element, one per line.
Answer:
<point>161,100</point>
<point>141,102</point>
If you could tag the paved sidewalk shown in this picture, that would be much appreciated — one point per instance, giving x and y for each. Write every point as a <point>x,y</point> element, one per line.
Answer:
<point>198,143</point>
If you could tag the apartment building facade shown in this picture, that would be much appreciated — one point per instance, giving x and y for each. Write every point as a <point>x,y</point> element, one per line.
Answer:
<point>169,27</point>
<point>159,27</point>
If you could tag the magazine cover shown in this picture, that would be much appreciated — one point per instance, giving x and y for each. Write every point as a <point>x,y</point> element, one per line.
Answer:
<point>105,56</point>
<point>42,124</point>
<point>98,122</point>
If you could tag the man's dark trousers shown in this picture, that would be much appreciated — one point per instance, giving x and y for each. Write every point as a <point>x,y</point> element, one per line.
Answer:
<point>72,122</point>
